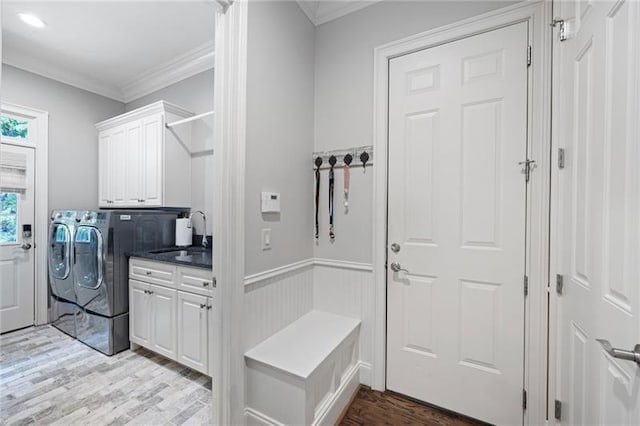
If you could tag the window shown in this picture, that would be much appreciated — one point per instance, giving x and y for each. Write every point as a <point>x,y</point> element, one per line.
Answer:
<point>14,127</point>
<point>8,217</point>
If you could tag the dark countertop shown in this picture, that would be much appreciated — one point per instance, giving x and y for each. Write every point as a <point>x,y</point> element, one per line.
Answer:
<point>195,256</point>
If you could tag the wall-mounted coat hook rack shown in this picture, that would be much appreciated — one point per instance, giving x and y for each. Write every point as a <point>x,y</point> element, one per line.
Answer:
<point>344,157</point>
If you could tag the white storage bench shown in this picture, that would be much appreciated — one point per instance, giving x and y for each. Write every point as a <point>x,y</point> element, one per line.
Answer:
<point>306,373</point>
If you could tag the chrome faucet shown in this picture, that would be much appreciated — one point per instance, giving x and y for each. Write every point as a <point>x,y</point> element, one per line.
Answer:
<point>204,231</point>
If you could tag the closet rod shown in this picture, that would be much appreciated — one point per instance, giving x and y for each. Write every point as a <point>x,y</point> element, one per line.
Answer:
<point>187,120</point>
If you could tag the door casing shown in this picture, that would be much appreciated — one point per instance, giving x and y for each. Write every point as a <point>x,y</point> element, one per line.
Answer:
<point>538,14</point>
<point>41,223</point>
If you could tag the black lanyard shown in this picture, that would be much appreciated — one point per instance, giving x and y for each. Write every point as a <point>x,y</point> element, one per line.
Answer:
<point>332,235</point>
<point>317,200</point>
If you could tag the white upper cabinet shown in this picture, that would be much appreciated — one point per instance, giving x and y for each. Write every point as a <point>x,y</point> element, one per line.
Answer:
<point>142,163</point>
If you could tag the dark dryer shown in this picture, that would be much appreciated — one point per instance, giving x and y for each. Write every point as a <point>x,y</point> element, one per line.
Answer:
<point>100,270</point>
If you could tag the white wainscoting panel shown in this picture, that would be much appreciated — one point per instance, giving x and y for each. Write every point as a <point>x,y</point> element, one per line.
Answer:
<point>276,301</point>
<point>347,288</point>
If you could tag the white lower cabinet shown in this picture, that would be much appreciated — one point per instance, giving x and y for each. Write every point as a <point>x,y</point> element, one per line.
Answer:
<point>139,313</point>
<point>171,322</point>
<point>163,321</point>
<point>193,313</point>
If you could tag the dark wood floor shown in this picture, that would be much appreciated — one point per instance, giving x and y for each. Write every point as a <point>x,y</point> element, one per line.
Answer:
<point>384,408</point>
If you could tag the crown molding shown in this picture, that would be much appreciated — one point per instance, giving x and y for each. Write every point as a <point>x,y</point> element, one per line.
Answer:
<point>320,12</point>
<point>144,111</point>
<point>53,72</point>
<point>193,62</point>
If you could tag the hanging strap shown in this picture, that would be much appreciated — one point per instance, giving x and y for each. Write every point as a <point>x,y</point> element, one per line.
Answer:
<point>317,201</point>
<point>346,187</point>
<point>332,235</point>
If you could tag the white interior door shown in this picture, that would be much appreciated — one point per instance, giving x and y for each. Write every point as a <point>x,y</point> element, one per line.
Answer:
<point>457,200</point>
<point>597,112</point>
<point>17,283</point>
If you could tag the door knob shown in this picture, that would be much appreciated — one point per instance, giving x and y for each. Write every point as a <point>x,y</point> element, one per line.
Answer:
<point>395,267</point>
<point>633,355</point>
<point>395,247</point>
<point>25,246</point>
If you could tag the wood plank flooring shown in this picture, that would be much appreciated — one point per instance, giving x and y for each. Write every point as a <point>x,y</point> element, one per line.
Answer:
<point>46,377</point>
<point>383,408</point>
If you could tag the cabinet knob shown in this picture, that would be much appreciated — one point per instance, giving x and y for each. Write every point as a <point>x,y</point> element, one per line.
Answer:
<point>209,307</point>
<point>205,284</point>
<point>150,292</point>
<point>202,306</point>
<point>148,272</point>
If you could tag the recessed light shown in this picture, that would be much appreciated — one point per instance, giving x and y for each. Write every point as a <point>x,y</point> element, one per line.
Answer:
<point>32,20</point>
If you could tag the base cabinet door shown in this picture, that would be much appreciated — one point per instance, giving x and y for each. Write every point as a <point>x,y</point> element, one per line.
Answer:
<point>163,321</point>
<point>193,312</point>
<point>139,313</point>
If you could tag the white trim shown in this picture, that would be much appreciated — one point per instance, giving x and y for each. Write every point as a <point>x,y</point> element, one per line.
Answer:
<point>331,409</point>
<point>277,272</point>
<point>70,77</point>
<point>195,61</point>
<point>144,111</point>
<point>302,265</point>
<point>336,10</point>
<point>41,218</point>
<point>354,266</point>
<point>229,213</point>
<point>537,13</point>
<point>254,417</point>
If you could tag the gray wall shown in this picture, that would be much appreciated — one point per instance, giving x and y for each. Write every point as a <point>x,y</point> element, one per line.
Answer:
<point>280,90</point>
<point>73,139</point>
<point>344,101</point>
<point>196,95</point>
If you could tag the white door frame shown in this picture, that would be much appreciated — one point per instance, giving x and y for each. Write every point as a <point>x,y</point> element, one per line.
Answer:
<point>538,14</point>
<point>40,145</point>
<point>228,211</point>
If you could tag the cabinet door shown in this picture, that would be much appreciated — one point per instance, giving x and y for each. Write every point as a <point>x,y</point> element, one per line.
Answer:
<point>192,331</point>
<point>163,321</point>
<point>152,169</point>
<point>104,184</point>
<point>133,164</point>
<point>139,313</point>
<point>117,159</point>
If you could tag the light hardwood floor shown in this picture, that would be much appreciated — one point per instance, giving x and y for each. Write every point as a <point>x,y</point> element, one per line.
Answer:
<point>46,377</point>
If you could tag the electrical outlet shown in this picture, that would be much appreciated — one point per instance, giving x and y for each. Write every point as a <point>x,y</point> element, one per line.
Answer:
<point>266,239</point>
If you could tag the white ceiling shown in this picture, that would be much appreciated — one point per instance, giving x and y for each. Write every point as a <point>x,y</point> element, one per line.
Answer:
<point>323,11</point>
<point>122,50</point>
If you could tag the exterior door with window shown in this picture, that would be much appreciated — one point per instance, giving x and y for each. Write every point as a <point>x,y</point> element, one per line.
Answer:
<point>16,245</point>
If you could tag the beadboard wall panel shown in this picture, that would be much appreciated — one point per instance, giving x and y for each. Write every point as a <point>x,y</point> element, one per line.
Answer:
<point>273,303</point>
<point>347,289</point>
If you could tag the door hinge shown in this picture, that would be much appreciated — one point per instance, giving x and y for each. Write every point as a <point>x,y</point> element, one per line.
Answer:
<point>524,399</point>
<point>526,285</point>
<point>561,158</point>
<point>557,408</point>
<point>529,56</point>
<point>563,28</point>
<point>559,283</point>
<point>528,167</point>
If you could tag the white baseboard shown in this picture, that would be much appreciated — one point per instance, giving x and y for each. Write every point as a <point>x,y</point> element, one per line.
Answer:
<point>333,407</point>
<point>256,418</point>
<point>366,370</point>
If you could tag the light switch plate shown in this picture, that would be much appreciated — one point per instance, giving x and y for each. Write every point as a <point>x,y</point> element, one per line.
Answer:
<point>266,239</point>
